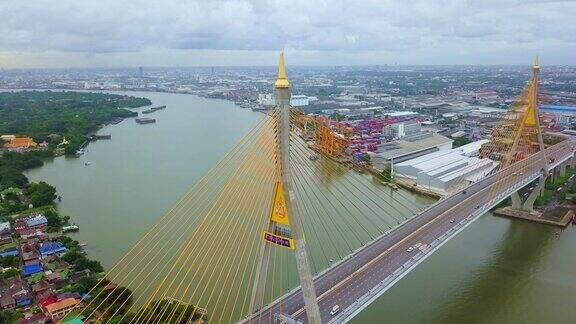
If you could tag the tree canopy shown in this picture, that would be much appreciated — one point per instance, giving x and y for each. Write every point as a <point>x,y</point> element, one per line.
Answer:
<point>41,193</point>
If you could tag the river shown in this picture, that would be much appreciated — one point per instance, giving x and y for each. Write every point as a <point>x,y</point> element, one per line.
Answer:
<point>497,270</point>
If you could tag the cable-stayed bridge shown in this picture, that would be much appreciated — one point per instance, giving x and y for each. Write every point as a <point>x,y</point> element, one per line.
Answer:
<point>275,232</point>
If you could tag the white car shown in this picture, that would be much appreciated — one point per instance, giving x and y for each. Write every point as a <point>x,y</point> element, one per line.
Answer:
<point>335,310</point>
<point>410,249</point>
<point>452,220</point>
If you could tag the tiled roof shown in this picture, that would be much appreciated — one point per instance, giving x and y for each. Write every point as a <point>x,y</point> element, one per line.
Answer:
<point>55,307</point>
<point>21,142</point>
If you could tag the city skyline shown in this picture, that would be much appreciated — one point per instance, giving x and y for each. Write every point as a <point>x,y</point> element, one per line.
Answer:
<point>101,34</point>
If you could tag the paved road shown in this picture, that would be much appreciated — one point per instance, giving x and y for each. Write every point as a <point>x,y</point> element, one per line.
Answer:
<point>386,258</point>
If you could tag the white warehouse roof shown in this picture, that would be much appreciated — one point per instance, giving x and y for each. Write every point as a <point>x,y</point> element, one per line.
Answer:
<point>447,170</point>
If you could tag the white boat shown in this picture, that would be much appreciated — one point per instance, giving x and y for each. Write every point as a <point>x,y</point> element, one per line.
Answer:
<point>71,228</point>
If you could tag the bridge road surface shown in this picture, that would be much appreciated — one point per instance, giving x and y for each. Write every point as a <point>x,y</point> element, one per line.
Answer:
<point>385,260</point>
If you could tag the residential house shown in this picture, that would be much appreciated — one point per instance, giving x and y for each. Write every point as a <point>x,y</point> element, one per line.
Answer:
<point>29,234</point>
<point>52,248</point>
<point>58,310</point>
<point>35,319</point>
<point>40,288</point>
<point>78,275</point>
<point>14,293</point>
<point>8,250</point>
<point>32,257</point>
<point>22,298</point>
<point>36,222</point>
<point>31,269</point>
<point>20,225</point>
<point>7,302</point>
<point>66,295</point>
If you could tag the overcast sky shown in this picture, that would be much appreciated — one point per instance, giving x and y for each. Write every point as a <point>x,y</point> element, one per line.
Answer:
<point>118,33</point>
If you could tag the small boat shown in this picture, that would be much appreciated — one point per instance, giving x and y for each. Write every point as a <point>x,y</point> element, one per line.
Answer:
<point>71,228</point>
<point>83,244</point>
<point>87,163</point>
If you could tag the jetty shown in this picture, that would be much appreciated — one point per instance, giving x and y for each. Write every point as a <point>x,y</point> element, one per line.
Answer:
<point>153,109</point>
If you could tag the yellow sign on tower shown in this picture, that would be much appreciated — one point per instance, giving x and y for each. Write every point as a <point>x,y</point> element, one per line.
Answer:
<point>280,211</point>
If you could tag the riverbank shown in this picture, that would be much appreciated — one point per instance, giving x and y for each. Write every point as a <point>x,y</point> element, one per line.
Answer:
<point>42,269</point>
<point>135,178</point>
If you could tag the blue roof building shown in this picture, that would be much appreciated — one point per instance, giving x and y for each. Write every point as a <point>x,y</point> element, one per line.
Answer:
<point>31,269</point>
<point>9,252</point>
<point>558,109</point>
<point>50,248</point>
<point>35,221</point>
<point>23,301</point>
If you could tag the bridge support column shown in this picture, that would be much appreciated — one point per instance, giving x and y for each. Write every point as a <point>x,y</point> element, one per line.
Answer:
<point>563,169</point>
<point>528,205</point>
<point>516,201</point>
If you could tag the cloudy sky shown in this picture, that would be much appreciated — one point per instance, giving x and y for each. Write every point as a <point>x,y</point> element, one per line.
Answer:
<point>118,33</point>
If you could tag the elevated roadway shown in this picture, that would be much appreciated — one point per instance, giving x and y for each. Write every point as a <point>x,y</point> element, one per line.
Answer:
<point>360,278</point>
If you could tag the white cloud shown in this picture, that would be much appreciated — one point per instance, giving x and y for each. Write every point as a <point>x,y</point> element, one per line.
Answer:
<point>377,31</point>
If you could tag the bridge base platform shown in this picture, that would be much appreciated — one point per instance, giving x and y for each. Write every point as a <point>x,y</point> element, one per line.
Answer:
<point>534,216</point>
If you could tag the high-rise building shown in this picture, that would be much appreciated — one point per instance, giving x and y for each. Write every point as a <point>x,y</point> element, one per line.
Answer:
<point>140,72</point>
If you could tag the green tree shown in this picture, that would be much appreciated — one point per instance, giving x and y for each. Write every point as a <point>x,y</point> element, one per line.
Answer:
<point>10,261</point>
<point>11,273</point>
<point>41,194</point>
<point>459,141</point>
<point>55,220</point>
<point>174,310</point>
<point>7,316</point>
<point>70,244</point>
<point>81,262</point>
<point>367,158</point>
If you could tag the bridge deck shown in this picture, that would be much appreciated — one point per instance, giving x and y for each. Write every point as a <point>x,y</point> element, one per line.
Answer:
<point>360,278</point>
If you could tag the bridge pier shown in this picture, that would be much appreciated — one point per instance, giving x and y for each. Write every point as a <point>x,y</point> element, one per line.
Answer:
<point>552,176</point>
<point>528,204</point>
<point>516,201</point>
<point>562,169</point>
<point>538,190</point>
<point>524,209</point>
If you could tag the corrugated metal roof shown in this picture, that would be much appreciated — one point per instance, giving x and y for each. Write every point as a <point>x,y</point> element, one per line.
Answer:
<point>36,220</point>
<point>407,147</point>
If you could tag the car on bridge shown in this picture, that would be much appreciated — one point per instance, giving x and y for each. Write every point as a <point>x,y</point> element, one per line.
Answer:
<point>335,310</point>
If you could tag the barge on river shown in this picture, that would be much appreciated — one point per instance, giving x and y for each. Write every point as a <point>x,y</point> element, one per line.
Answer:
<point>145,120</point>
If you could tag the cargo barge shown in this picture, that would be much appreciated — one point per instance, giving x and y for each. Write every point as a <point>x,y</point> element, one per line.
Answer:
<point>145,120</point>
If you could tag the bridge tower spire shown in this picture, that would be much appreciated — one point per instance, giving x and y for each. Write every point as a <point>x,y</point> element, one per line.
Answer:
<point>528,136</point>
<point>285,225</point>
